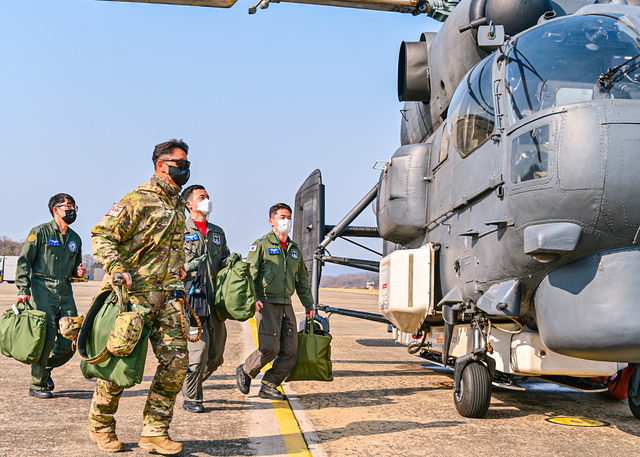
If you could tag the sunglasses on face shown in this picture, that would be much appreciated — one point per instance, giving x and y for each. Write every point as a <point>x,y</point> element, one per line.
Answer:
<point>183,164</point>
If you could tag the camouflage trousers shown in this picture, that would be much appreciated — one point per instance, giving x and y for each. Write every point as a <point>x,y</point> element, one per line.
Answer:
<point>170,347</point>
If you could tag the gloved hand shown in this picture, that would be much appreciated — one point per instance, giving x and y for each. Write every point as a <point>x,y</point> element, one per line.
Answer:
<point>195,263</point>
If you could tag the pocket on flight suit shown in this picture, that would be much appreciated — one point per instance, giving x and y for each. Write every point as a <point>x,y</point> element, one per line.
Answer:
<point>267,278</point>
<point>268,326</point>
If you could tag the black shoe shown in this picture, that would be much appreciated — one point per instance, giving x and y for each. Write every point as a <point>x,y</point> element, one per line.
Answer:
<point>193,406</point>
<point>243,380</point>
<point>271,393</point>
<point>50,384</point>
<point>40,393</point>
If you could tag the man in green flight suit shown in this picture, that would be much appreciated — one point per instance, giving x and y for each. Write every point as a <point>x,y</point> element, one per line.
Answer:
<point>206,251</point>
<point>51,255</point>
<point>142,238</point>
<point>278,270</point>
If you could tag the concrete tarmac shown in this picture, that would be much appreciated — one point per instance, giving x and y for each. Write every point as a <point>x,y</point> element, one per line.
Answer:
<point>382,402</point>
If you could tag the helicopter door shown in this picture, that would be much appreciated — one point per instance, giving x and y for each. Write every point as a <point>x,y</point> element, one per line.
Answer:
<point>476,162</point>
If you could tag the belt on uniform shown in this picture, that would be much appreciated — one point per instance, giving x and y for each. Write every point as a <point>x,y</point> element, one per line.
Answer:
<point>48,278</point>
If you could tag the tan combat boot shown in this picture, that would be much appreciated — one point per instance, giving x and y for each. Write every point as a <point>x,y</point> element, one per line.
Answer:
<point>161,444</point>
<point>107,442</point>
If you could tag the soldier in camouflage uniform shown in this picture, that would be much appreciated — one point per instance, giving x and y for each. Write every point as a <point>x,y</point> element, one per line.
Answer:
<point>51,255</point>
<point>142,237</point>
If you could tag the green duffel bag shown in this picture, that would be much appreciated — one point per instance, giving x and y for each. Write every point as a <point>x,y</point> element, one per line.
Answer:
<point>235,292</point>
<point>114,323</point>
<point>314,355</point>
<point>22,333</point>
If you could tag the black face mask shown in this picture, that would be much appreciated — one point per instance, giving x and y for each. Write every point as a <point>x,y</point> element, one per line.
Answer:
<point>180,176</point>
<point>69,216</point>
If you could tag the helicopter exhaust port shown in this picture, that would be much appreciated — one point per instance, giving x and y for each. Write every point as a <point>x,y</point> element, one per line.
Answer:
<point>413,71</point>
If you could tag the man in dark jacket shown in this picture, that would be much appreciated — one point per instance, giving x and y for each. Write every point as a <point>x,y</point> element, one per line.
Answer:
<point>206,251</point>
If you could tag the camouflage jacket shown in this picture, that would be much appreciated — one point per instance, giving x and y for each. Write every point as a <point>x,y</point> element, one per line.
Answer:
<point>143,235</point>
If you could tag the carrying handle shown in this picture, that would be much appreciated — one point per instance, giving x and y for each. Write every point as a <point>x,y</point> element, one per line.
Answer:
<point>309,325</point>
<point>120,288</point>
<point>27,306</point>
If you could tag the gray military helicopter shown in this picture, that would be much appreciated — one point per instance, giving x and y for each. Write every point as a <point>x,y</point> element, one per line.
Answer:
<point>509,214</point>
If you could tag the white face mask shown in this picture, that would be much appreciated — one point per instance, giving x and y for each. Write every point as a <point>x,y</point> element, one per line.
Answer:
<point>285,226</point>
<point>205,207</point>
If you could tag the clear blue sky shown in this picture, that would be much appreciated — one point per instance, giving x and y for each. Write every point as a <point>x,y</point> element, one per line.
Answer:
<point>88,88</point>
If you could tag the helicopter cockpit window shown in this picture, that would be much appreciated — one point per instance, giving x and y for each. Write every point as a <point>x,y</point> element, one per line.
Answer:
<point>572,60</point>
<point>471,113</point>
<point>530,155</point>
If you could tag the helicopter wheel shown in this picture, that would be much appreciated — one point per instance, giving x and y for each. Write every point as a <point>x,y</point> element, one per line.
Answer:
<point>634,402</point>
<point>475,391</point>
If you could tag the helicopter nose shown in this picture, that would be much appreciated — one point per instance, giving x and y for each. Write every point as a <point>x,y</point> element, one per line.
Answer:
<point>599,166</point>
<point>620,139</point>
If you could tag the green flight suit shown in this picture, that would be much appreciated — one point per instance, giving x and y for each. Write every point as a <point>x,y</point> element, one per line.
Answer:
<point>47,261</point>
<point>205,355</point>
<point>277,274</point>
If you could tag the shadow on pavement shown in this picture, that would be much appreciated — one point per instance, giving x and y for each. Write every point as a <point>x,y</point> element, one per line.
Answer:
<point>366,374</point>
<point>359,398</point>
<point>375,362</point>
<point>377,427</point>
<point>378,342</point>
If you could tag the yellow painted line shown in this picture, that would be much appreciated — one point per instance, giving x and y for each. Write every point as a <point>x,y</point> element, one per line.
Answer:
<point>289,428</point>
<point>577,422</point>
<point>353,291</point>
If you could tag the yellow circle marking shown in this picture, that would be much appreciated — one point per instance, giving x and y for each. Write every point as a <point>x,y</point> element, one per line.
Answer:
<point>31,238</point>
<point>577,422</point>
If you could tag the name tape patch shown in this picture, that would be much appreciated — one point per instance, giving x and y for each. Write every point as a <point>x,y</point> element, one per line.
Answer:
<point>274,251</point>
<point>54,242</point>
<point>115,211</point>
<point>193,237</point>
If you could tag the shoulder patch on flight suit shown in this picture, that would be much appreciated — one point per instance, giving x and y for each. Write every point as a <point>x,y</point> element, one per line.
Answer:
<point>116,210</point>
<point>193,237</point>
<point>32,238</point>
<point>216,239</point>
<point>294,254</point>
<point>274,250</point>
<point>73,246</point>
<point>54,242</point>
<point>253,248</point>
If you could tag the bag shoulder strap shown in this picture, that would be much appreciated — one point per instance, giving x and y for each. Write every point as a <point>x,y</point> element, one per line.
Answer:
<point>87,325</point>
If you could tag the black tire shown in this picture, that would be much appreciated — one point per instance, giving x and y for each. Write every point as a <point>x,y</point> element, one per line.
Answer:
<point>475,391</point>
<point>634,403</point>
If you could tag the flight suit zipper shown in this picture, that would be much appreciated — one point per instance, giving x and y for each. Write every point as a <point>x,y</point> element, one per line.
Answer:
<point>284,291</point>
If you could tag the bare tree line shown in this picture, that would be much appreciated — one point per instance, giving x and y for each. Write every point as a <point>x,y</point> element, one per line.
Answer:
<point>10,247</point>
